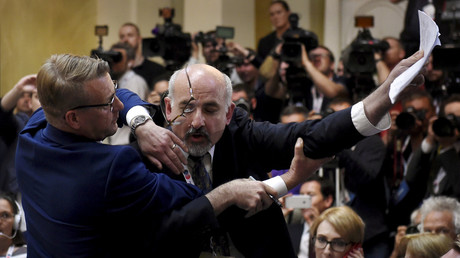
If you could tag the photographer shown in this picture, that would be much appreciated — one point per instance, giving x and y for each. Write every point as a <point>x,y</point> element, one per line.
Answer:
<point>127,79</point>
<point>439,151</point>
<point>407,187</point>
<point>129,33</point>
<point>215,53</point>
<point>318,68</point>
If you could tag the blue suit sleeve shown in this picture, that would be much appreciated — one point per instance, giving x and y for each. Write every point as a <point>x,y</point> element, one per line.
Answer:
<point>129,100</point>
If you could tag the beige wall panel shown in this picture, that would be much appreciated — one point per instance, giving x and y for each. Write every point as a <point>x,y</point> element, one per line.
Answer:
<point>33,30</point>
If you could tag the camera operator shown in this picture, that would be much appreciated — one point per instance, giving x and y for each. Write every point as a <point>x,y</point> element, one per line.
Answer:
<point>267,108</point>
<point>318,67</point>
<point>279,18</point>
<point>129,33</point>
<point>408,129</point>
<point>244,97</point>
<point>127,79</point>
<point>214,52</point>
<point>440,151</point>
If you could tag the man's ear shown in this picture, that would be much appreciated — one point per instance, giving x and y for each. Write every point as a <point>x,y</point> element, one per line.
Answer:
<point>72,120</point>
<point>230,112</point>
<point>168,108</point>
<point>328,201</point>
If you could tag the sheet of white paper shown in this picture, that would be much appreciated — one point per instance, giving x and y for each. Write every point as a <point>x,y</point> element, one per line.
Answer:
<point>429,38</point>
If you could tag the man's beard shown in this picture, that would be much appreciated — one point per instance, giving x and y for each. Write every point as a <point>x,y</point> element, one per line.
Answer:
<point>198,150</point>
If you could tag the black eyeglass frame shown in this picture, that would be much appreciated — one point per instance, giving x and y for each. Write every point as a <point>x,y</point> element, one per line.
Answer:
<point>330,243</point>
<point>115,84</point>
<point>188,102</point>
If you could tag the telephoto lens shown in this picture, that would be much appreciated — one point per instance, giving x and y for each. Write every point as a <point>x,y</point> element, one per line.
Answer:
<point>445,126</point>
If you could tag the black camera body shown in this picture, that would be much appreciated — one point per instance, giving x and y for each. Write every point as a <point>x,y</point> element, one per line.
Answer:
<point>445,126</point>
<point>225,62</point>
<point>294,38</point>
<point>111,56</point>
<point>244,104</point>
<point>173,45</point>
<point>406,120</point>
<point>358,57</point>
<point>297,82</point>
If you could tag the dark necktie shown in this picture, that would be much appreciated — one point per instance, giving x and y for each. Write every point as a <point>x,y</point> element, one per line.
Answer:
<point>199,174</point>
<point>218,242</point>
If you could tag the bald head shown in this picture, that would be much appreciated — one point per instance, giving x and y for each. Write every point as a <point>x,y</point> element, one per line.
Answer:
<point>203,76</point>
<point>199,121</point>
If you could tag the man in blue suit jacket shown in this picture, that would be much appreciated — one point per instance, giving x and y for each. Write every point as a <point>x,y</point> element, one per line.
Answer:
<point>83,198</point>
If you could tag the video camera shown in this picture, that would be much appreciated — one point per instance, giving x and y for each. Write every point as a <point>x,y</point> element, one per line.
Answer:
<point>358,57</point>
<point>298,84</point>
<point>170,42</point>
<point>110,56</point>
<point>224,62</point>
<point>294,38</point>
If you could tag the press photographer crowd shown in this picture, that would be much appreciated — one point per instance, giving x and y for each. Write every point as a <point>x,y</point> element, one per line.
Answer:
<point>224,150</point>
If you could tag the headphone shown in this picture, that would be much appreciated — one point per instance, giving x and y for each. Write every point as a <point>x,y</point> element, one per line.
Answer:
<point>17,217</point>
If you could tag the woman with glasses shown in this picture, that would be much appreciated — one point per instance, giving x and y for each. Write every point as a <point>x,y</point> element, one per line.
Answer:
<point>11,241</point>
<point>338,232</point>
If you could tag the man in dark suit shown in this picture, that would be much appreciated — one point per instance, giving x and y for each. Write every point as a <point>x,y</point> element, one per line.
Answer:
<point>85,198</point>
<point>321,191</point>
<point>439,155</point>
<point>201,113</point>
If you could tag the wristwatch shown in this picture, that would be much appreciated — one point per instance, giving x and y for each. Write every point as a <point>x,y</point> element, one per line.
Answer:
<point>137,121</point>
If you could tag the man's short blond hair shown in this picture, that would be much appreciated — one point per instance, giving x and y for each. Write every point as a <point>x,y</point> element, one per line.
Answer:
<point>60,82</point>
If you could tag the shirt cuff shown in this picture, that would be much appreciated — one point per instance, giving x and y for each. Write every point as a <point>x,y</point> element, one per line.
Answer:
<point>136,111</point>
<point>278,184</point>
<point>362,124</point>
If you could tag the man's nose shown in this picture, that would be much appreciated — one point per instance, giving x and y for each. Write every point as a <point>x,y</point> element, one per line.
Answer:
<point>118,105</point>
<point>197,119</point>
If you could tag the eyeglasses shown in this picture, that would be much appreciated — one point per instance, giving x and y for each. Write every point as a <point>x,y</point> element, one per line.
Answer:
<point>188,108</point>
<point>337,245</point>
<point>110,104</point>
<point>5,215</point>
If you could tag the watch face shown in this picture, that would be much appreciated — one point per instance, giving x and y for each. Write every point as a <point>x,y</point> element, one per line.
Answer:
<point>139,119</point>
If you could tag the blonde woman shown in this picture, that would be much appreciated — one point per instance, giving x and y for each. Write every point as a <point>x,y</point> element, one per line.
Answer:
<point>424,245</point>
<point>338,232</point>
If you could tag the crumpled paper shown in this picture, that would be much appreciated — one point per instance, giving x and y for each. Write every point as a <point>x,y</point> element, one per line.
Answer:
<point>429,38</point>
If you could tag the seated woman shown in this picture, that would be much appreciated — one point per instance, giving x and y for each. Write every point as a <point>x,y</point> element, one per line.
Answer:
<point>11,241</point>
<point>424,245</point>
<point>338,232</point>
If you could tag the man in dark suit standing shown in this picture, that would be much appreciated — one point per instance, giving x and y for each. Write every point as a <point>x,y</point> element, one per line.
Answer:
<point>201,113</point>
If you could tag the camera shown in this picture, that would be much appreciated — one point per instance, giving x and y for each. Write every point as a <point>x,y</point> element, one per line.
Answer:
<point>224,62</point>
<point>170,42</point>
<point>406,120</point>
<point>244,104</point>
<point>358,57</point>
<point>110,56</point>
<point>445,126</point>
<point>294,38</point>
<point>297,82</point>
<point>412,229</point>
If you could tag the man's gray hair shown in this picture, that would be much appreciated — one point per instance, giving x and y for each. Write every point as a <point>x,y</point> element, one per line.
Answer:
<point>442,203</point>
<point>228,87</point>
